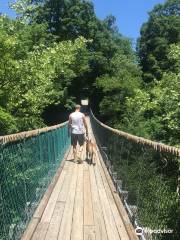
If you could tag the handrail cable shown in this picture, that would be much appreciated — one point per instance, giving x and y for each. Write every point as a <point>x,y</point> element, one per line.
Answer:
<point>161,147</point>
<point>27,134</point>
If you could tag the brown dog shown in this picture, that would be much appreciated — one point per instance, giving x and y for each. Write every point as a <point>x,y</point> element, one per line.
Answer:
<point>90,151</point>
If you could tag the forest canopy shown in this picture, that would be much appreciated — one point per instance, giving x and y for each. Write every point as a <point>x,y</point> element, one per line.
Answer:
<point>55,49</point>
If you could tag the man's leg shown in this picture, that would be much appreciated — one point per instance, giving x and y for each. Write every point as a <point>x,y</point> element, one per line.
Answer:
<point>75,152</point>
<point>81,141</point>
<point>74,144</point>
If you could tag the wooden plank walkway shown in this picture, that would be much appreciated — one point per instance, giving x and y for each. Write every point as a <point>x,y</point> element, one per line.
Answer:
<point>80,204</point>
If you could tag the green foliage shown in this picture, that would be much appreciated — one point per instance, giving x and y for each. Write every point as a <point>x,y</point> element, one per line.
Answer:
<point>7,122</point>
<point>121,83</point>
<point>35,76</point>
<point>167,100</point>
<point>153,112</point>
<point>174,57</point>
<point>161,30</point>
<point>68,20</point>
<point>107,67</point>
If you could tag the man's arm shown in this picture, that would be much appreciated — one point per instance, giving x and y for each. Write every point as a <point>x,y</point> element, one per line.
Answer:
<point>85,125</point>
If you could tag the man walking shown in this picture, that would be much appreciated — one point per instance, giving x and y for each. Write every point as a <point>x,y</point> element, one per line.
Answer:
<point>76,127</point>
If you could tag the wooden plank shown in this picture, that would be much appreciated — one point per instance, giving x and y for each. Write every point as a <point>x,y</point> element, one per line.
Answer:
<point>88,209</point>
<point>112,231</point>
<point>62,197</point>
<point>66,224</point>
<point>40,232</point>
<point>89,233</point>
<point>129,228</point>
<point>55,223</point>
<point>117,218</point>
<point>30,230</point>
<point>97,231</point>
<point>48,212</point>
<point>40,209</point>
<point>100,228</point>
<point>77,223</point>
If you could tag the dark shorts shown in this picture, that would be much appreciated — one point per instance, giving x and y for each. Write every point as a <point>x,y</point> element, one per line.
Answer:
<point>80,138</point>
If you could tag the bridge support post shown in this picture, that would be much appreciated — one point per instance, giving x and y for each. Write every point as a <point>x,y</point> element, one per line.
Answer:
<point>114,177</point>
<point>119,184</point>
<point>124,195</point>
<point>131,209</point>
<point>111,169</point>
<point>134,211</point>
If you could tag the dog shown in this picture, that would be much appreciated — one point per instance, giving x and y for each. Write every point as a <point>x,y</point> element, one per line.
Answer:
<point>90,151</point>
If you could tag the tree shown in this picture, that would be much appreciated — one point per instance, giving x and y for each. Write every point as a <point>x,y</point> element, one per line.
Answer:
<point>153,112</point>
<point>67,20</point>
<point>34,75</point>
<point>124,79</point>
<point>167,98</point>
<point>161,30</point>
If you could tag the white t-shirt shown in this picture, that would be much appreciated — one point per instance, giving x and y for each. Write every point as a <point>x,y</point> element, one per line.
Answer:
<point>77,124</point>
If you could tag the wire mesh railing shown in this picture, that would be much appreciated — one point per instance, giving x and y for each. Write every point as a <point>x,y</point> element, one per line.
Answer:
<point>146,174</point>
<point>28,161</point>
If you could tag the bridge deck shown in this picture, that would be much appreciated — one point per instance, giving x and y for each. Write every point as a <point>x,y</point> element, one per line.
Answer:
<point>81,206</point>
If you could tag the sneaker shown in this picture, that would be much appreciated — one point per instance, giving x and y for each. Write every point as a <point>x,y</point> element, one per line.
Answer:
<point>74,160</point>
<point>80,160</point>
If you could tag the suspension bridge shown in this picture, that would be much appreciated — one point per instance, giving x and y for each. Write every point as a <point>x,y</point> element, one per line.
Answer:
<point>45,195</point>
